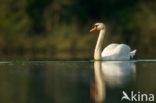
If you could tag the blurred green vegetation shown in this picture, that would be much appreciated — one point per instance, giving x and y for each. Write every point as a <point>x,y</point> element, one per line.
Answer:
<point>59,29</point>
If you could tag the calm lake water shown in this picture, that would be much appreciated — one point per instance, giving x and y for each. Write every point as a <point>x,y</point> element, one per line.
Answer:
<point>77,81</point>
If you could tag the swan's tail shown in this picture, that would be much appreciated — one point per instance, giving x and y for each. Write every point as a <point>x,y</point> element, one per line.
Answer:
<point>132,53</point>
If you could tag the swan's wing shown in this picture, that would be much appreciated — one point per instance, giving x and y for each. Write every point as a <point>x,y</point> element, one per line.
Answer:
<point>109,49</point>
<point>116,52</point>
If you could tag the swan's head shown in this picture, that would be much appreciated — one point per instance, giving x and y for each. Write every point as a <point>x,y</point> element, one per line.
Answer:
<point>97,27</point>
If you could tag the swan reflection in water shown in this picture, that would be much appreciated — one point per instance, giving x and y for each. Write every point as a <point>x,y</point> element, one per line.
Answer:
<point>110,73</point>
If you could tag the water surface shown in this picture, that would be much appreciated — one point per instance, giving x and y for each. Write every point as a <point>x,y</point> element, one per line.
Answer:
<point>75,81</point>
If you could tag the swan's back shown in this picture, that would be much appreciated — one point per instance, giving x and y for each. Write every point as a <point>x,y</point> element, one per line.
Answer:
<point>117,52</point>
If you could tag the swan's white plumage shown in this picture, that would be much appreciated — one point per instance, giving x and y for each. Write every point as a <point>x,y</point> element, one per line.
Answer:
<point>117,52</point>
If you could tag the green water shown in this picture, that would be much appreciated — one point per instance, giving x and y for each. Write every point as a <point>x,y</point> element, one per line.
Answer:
<point>75,81</point>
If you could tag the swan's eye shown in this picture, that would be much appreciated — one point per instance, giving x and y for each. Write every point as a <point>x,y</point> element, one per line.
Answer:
<point>95,26</point>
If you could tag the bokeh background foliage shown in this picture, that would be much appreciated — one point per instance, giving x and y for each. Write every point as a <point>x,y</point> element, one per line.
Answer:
<point>59,29</point>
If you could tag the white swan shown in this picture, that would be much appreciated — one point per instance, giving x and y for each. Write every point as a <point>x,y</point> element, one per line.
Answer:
<point>113,51</point>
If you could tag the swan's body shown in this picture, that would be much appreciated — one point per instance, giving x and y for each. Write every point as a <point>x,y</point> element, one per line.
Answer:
<point>113,51</point>
<point>117,52</point>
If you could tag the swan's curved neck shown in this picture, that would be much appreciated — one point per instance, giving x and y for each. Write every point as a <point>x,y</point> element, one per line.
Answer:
<point>98,48</point>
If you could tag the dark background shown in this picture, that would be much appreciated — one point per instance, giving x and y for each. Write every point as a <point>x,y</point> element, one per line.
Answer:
<point>59,29</point>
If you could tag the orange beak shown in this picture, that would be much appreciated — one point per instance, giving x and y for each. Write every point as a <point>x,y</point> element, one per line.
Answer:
<point>93,29</point>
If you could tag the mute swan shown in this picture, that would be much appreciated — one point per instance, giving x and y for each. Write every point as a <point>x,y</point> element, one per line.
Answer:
<point>113,51</point>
